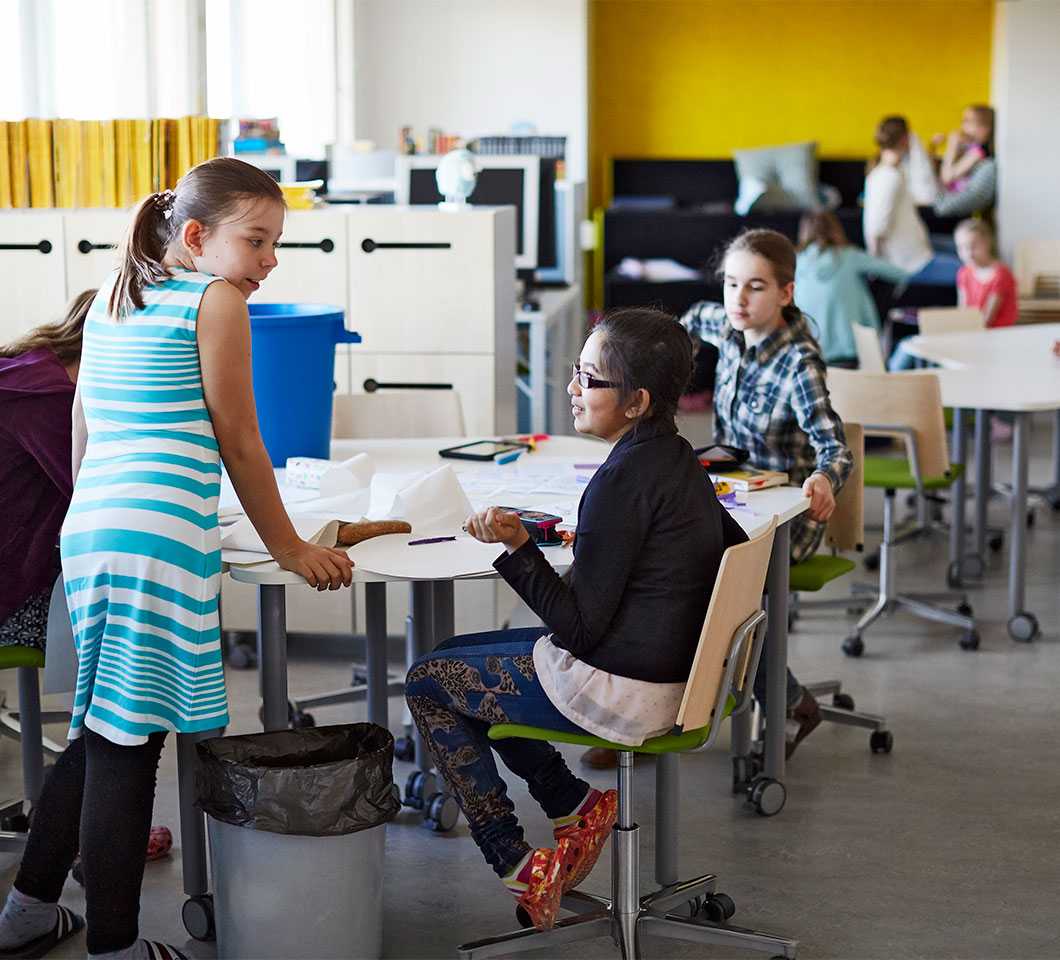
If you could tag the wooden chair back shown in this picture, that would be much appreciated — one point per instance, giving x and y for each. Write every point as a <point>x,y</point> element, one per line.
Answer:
<point>869,350</point>
<point>1037,269</point>
<point>737,596</point>
<point>934,320</point>
<point>908,400</point>
<point>846,526</point>
<point>398,413</point>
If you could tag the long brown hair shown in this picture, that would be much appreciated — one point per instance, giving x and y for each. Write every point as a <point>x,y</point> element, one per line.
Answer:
<point>63,338</point>
<point>778,250</point>
<point>208,193</point>
<point>823,228</point>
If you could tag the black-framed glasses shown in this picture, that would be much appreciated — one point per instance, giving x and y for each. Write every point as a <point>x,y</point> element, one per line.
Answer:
<point>585,381</point>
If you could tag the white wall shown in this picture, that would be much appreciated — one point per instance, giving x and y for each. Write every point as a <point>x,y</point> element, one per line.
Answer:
<point>1026,90</point>
<point>472,67</point>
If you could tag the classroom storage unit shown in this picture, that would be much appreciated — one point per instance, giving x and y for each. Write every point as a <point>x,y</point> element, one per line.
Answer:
<point>32,270</point>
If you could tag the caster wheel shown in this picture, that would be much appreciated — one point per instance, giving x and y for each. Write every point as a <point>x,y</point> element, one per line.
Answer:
<point>1023,627</point>
<point>853,646</point>
<point>1030,519</point>
<point>843,700</point>
<point>964,608</point>
<point>16,823</point>
<point>970,641</point>
<point>197,914</point>
<point>881,741</point>
<point>523,918</point>
<point>996,542</point>
<point>872,561</point>
<point>442,812</point>
<point>718,908</point>
<point>744,771</point>
<point>972,566</point>
<point>359,679</point>
<point>767,796</point>
<point>405,749</point>
<point>953,576</point>
<point>242,657</point>
<point>418,788</point>
<point>301,721</point>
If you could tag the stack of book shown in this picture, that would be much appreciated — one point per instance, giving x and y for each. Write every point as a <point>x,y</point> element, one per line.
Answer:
<point>99,163</point>
<point>744,479</point>
<point>257,135</point>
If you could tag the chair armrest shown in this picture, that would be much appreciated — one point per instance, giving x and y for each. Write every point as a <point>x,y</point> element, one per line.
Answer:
<point>912,451</point>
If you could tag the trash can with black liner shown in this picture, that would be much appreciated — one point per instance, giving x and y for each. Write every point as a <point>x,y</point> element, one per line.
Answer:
<point>296,824</point>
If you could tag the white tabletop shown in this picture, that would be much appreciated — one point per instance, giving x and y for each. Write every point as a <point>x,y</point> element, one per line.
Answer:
<point>1010,368</point>
<point>413,455</point>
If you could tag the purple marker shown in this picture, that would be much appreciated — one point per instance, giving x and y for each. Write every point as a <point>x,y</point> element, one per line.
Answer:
<point>416,543</point>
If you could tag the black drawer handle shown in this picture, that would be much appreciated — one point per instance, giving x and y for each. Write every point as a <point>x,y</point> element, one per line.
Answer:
<point>368,245</point>
<point>87,246</point>
<point>45,246</point>
<point>370,386</point>
<point>327,245</point>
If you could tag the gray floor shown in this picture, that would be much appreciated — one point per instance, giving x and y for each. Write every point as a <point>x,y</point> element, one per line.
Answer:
<point>946,848</point>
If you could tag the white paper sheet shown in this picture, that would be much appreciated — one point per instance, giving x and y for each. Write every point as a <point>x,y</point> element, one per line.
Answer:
<point>435,504</point>
<point>391,556</point>
<point>350,476</point>
<point>241,544</point>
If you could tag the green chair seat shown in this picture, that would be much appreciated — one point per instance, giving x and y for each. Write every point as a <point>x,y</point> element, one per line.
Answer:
<point>667,743</point>
<point>813,573</point>
<point>893,473</point>
<point>11,657</point>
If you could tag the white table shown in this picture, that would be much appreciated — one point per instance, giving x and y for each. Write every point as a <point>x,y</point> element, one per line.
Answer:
<point>558,325</point>
<point>1011,370</point>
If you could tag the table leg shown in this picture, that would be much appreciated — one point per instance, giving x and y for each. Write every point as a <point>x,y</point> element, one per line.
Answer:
<point>1051,493</point>
<point>30,734</point>
<point>982,479</point>
<point>667,790</point>
<point>1022,625</point>
<point>956,569</point>
<point>272,654</point>
<point>777,652</point>
<point>192,824</point>
<point>419,639</point>
<point>375,652</point>
<point>538,376</point>
<point>444,611</point>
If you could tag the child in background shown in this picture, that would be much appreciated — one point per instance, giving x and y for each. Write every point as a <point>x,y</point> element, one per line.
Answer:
<point>967,147</point>
<point>983,282</point>
<point>830,277</point>
<point>771,399</point>
<point>164,392</point>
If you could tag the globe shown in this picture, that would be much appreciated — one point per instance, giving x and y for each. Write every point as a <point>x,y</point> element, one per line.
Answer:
<point>456,176</point>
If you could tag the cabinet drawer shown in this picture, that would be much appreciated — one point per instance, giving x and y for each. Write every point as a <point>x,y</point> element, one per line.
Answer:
<point>312,261</point>
<point>92,239</point>
<point>489,407</point>
<point>32,277</point>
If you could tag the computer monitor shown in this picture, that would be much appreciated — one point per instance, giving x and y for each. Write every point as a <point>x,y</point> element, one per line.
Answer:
<point>526,183</point>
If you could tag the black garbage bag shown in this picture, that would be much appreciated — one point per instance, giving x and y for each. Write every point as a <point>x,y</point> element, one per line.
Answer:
<point>316,782</point>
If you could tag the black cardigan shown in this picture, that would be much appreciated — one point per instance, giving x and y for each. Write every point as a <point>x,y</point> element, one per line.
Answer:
<point>651,534</point>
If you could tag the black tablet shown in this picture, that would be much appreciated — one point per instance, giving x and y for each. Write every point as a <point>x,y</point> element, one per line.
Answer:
<point>482,450</point>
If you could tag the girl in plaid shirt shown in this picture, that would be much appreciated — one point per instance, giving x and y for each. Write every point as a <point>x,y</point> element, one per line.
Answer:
<point>771,397</point>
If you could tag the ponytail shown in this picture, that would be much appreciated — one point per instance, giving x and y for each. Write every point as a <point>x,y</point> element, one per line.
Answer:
<point>141,253</point>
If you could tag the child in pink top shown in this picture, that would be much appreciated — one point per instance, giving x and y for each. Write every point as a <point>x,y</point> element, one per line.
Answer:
<point>983,281</point>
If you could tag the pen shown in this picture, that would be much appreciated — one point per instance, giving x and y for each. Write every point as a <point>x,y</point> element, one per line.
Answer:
<point>416,543</point>
<point>508,457</point>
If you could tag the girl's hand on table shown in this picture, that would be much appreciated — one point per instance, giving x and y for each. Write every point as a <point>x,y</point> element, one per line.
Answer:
<point>497,526</point>
<point>324,568</point>
<point>822,501</point>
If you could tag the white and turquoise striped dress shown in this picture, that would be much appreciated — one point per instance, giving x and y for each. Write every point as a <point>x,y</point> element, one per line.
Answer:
<point>141,546</point>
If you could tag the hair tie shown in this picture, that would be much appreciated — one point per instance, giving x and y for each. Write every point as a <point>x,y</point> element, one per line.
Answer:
<point>164,201</point>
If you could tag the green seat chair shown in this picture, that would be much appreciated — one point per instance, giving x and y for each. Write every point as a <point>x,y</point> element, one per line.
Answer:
<point>906,406</point>
<point>718,686</point>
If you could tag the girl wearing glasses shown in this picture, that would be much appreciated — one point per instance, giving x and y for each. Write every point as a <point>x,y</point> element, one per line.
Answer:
<point>621,627</point>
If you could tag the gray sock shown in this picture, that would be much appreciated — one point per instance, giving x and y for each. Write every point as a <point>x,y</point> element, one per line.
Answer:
<point>24,919</point>
<point>137,950</point>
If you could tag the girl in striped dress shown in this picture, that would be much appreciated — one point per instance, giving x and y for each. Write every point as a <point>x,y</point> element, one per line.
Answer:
<point>164,393</point>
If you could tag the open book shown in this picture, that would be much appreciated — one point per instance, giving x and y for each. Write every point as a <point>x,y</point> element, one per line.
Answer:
<point>747,478</point>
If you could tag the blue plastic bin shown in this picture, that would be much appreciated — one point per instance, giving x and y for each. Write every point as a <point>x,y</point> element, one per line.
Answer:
<point>294,375</point>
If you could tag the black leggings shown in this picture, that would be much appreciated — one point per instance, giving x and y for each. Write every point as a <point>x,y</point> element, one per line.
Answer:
<point>98,800</point>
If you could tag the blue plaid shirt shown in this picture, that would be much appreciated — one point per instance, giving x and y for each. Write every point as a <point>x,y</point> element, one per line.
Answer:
<point>771,399</point>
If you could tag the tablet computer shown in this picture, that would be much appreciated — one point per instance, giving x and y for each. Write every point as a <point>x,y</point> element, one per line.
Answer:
<point>482,450</point>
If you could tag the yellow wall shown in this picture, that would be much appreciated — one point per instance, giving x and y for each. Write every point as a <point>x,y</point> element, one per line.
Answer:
<point>700,78</point>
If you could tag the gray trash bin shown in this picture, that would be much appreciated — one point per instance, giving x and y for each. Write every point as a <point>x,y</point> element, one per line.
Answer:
<point>296,821</point>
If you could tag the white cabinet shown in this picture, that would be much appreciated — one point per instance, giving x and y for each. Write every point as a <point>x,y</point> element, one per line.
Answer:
<point>473,377</point>
<point>32,278</point>
<point>311,261</point>
<point>92,240</point>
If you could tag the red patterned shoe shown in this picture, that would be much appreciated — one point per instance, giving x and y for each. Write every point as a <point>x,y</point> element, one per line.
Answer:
<point>159,843</point>
<point>545,885</point>
<point>587,834</point>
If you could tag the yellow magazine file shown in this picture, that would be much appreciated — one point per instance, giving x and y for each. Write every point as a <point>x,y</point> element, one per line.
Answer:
<point>5,167</point>
<point>60,185</point>
<point>141,156</point>
<point>173,171</point>
<point>123,167</point>
<point>108,145</point>
<point>92,163</point>
<point>184,155</point>
<point>41,172</point>
<point>18,144</point>
<point>158,155</point>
